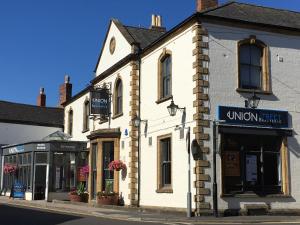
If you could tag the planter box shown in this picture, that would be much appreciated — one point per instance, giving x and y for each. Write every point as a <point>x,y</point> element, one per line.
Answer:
<point>108,200</point>
<point>75,198</point>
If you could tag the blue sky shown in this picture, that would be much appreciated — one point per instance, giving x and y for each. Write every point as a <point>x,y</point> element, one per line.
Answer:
<point>42,40</point>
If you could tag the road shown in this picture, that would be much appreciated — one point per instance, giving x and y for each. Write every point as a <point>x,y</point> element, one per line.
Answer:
<point>11,215</point>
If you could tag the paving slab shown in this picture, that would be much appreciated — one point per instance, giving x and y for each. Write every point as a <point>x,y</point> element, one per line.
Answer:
<point>140,214</point>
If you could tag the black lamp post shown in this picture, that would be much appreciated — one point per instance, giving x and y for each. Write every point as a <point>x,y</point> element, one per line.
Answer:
<point>172,109</point>
<point>252,102</point>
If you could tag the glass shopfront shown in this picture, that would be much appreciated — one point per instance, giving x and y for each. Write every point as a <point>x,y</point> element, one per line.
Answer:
<point>253,151</point>
<point>34,165</point>
<point>251,164</point>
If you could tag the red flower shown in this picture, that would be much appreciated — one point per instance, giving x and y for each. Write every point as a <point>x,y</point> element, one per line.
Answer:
<point>9,168</point>
<point>84,170</point>
<point>116,165</point>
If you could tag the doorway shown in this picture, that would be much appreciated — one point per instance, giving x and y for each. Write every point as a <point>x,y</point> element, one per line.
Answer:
<point>108,175</point>
<point>40,182</point>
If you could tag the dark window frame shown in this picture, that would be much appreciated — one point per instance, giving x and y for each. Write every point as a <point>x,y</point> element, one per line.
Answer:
<point>86,114</point>
<point>264,87</point>
<point>233,185</point>
<point>164,164</point>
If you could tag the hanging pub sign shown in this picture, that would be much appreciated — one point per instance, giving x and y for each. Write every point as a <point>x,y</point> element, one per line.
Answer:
<point>253,117</point>
<point>100,102</point>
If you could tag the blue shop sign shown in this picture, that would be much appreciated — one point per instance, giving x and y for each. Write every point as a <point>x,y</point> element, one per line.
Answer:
<point>253,117</point>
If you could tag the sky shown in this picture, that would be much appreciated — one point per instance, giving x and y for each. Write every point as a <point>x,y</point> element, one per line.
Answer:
<point>42,40</point>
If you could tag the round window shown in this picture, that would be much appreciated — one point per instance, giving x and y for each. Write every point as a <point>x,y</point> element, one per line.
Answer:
<point>112,45</point>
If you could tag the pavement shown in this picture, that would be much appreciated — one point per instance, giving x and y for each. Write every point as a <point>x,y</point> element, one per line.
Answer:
<point>142,214</point>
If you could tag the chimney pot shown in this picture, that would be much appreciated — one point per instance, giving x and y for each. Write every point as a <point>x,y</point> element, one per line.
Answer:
<point>158,19</point>
<point>153,20</point>
<point>156,23</point>
<point>206,4</point>
<point>41,100</point>
<point>67,79</point>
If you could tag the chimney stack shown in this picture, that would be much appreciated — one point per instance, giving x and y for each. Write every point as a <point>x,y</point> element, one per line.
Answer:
<point>156,23</point>
<point>41,100</point>
<point>206,4</point>
<point>65,91</point>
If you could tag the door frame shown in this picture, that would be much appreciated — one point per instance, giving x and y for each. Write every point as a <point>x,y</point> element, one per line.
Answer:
<point>99,163</point>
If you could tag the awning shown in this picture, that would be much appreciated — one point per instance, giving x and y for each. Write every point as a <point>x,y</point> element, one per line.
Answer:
<point>233,129</point>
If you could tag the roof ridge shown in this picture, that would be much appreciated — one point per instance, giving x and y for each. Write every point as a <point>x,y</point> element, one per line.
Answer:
<point>143,28</point>
<point>33,106</point>
<point>266,7</point>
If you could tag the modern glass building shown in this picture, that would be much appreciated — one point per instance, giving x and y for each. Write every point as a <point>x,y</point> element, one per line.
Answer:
<point>48,169</point>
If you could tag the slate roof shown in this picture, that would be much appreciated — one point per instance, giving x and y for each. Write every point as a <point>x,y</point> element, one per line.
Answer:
<point>32,115</point>
<point>256,14</point>
<point>142,36</point>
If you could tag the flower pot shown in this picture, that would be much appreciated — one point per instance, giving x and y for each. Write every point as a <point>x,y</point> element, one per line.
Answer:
<point>75,198</point>
<point>84,197</point>
<point>108,200</point>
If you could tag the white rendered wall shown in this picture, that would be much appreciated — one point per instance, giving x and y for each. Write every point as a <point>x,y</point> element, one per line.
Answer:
<point>122,49</point>
<point>285,85</point>
<point>20,133</point>
<point>161,123</point>
<point>121,122</point>
<point>77,107</point>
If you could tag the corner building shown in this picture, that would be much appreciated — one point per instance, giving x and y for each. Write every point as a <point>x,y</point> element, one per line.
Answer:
<point>215,66</point>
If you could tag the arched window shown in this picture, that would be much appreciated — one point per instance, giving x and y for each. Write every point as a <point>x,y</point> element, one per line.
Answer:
<point>253,65</point>
<point>118,97</point>
<point>165,75</point>
<point>70,122</point>
<point>86,113</point>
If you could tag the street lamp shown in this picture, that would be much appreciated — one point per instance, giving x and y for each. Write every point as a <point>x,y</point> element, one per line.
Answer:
<point>137,121</point>
<point>172,108</point>
<point>252,102</point>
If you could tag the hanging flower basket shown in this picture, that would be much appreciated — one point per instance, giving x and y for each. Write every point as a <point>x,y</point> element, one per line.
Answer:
<point>9,168</point>
<point>117,165</point>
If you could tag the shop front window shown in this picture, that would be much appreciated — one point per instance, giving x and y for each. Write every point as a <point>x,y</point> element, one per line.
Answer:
<point>108,175</point>
<point>24,171</point>
<point>251,164</point>
<point>94,169</point>
<point>64,171</point>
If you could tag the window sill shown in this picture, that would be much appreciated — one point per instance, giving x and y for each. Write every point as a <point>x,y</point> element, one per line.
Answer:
<point>85,130</point>
<point>165,190</point>
<point>164,99</point>
<point>243,90</point>
<point>117,116</point>
<point>249,195</point>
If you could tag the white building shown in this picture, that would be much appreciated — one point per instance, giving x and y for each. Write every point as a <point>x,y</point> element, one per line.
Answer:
<point>211,62</point>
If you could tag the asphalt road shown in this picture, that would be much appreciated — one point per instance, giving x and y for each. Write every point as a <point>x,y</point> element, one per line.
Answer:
<point>21,216</point>
<point>11,215</point>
